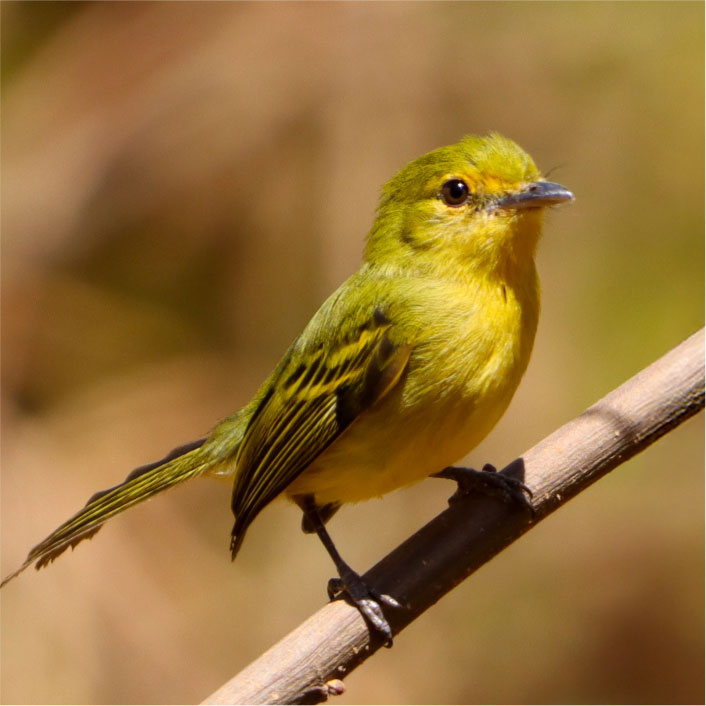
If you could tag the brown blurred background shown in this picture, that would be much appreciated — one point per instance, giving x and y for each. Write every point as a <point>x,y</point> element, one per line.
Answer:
<point>184,183</point>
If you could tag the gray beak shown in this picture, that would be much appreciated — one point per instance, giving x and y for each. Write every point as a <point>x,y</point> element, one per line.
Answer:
<point>536,195</point>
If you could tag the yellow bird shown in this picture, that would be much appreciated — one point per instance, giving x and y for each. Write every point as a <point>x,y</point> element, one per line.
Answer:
<point>402,371</point>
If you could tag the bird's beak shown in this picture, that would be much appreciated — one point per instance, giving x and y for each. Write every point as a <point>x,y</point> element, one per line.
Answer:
<point>535,195</point>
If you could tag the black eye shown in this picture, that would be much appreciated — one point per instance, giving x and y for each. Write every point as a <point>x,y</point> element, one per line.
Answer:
<point>455,192</point>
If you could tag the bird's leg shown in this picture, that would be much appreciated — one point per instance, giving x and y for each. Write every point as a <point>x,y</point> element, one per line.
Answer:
<point>366,599</point>
<point>324,513</point>
<point>488,482</point>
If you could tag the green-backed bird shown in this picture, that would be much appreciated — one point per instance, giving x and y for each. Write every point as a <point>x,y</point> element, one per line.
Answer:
<point>401,372</point>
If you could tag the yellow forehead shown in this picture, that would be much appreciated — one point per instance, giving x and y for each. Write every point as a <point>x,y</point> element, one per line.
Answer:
<point>487,182</point>
<point>488,164</point>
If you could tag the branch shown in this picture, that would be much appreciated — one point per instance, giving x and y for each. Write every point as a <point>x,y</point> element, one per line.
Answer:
<point>307,665</point>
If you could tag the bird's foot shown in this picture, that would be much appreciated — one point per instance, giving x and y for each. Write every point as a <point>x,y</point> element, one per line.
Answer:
<point>366,599</point>
<point>488,482</point>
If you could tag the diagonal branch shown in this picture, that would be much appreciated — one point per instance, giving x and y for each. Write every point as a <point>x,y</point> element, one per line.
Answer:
<point>306,665</point>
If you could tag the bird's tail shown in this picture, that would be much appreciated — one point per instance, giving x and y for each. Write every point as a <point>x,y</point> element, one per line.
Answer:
<point>183,463</point>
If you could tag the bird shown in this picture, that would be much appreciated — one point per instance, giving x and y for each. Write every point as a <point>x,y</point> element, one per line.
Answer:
<point>403,370</point>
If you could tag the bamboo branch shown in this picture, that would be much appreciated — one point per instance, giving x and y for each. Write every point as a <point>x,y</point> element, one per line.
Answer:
<point>307,665</point>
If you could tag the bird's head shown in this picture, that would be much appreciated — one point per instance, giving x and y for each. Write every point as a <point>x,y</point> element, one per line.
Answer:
<point>477,203</point>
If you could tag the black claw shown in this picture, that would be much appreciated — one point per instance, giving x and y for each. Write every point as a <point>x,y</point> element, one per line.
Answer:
<point>488,482</point>
<point>388,600</point>
<point>367,600</point>
<point>334,588</point>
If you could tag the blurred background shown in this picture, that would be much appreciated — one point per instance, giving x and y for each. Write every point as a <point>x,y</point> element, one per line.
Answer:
<point>184,183</point>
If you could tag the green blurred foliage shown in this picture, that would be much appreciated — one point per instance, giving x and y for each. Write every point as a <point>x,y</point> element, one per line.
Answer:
<point>184,183</point>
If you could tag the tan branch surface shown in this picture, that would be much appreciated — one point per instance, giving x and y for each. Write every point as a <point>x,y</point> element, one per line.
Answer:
<point>305,666</point>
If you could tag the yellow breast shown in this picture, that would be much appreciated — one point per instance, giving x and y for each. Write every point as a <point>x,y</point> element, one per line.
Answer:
<point>458,384</point>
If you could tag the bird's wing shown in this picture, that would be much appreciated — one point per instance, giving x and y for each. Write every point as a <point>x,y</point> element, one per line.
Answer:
<point>311,400</point>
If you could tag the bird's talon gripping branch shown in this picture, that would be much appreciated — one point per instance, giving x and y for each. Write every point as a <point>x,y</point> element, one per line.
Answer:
<point>336,587</point>
<point>518,484</point>
<point>488,481</point>
<point>367,600</point>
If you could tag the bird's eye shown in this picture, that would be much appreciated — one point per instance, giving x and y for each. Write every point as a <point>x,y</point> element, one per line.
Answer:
<point>454,192</point>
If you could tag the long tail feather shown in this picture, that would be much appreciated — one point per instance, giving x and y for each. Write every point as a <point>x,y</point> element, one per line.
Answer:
<point>182,463</point>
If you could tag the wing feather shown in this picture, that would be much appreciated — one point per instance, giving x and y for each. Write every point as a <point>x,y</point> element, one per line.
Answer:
<point>309,404</point>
